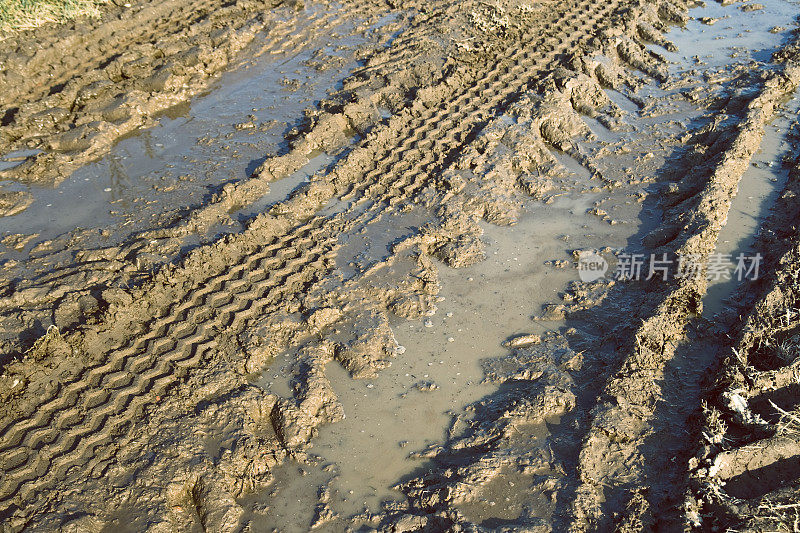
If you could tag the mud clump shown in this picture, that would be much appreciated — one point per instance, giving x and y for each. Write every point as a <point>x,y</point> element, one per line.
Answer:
<point>12,203</point>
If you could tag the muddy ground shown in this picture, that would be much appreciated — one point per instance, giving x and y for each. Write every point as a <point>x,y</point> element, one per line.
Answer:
<point>292,266</point>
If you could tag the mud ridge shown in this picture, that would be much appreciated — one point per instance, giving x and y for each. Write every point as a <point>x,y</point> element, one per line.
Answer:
<point>623,416</point>
<point>75,394</point>
<point>742,475</point>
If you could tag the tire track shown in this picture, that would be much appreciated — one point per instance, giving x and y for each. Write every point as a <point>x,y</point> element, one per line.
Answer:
<point>166,72</point>
<point>85,413</point>
<point>147,366</point>
<point>624,414</point>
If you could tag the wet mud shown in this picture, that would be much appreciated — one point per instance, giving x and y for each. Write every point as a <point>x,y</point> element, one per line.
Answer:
<point>345,285</point>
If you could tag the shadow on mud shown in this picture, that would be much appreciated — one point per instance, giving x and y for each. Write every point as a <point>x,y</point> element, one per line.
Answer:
<point>604,334</point>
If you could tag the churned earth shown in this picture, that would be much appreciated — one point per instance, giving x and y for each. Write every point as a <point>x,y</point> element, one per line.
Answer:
<point>422,266</point>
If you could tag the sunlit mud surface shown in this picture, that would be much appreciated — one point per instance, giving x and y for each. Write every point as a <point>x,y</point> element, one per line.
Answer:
<point>393,421</point>
<point>151,177</point>
<point>377,275</point>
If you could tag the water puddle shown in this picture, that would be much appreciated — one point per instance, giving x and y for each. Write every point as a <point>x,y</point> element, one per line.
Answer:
<point>295,486</point>
<point>622,101</point>
<point>410,406</point>
<point>280,190</point>
<point>759,187</point>
<point>220,137</point>
<point>601,132</point>
<point>734,35</point>
<point>278,377</point>
<point>507,497</point>
<point>13,159</point>
<point>373,243</point>
<point>571,164</point>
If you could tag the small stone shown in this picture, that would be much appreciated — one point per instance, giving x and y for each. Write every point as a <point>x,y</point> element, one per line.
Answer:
<point>522,341</point>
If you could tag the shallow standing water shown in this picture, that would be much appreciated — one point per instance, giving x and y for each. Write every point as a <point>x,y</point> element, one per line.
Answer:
<point>217,138</point>
<point>410,405</point>
<point>483,305</point>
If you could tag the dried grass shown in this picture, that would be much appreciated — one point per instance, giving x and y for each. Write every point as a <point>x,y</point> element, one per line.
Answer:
<point>16,15</point>
<point>789,423</point>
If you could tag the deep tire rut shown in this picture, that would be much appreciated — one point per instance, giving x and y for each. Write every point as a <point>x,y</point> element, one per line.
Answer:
<point>71,427</point>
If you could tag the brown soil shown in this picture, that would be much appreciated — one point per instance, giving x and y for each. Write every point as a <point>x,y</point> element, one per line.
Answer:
<point>130,373</point>
<point>71,91</point>
<point>744,475</point>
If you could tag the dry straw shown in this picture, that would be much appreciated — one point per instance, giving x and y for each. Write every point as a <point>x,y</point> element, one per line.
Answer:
<point>18,15</point>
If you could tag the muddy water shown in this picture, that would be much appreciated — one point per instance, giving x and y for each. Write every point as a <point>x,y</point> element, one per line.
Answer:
<point>739,37</point>
<point>410,405</point>
<point>481,307</point>
<point>221,137</point>
<point>734,35</point>
<point>12,159</point>
<point>292,502</point>
<point>758,190</point>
